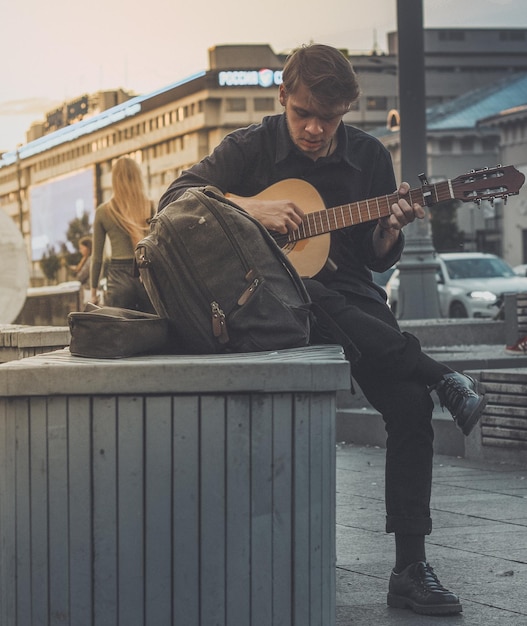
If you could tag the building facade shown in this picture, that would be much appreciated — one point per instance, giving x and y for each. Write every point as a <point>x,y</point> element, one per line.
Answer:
<point>512,127</point>
<point>480,129</point>
<point>60,175</point>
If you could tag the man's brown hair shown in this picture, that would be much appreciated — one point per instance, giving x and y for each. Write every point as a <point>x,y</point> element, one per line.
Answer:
<point>325,71</point>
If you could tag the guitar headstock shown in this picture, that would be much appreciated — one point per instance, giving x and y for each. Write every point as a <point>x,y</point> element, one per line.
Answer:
<point>488,184</point>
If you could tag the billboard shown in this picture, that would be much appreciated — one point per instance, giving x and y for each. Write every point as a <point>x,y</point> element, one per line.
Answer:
<point>56,203</point>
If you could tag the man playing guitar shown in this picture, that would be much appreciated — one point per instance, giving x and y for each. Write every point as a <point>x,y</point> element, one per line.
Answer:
<point>310,142</point>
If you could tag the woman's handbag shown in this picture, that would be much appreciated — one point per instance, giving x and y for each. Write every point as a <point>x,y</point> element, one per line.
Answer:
<point>113,333</point>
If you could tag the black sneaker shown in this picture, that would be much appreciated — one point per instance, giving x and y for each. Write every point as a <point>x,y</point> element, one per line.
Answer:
<point>419,589</point>
<point>464,397</point>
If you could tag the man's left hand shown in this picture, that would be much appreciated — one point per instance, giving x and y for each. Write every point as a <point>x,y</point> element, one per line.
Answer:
<point>402,213</point>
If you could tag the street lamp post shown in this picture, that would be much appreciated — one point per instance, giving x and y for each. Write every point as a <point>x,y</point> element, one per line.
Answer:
<point>418,297</point>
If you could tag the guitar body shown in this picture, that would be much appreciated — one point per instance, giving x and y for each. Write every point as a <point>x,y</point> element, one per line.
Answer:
<point>308,256</point>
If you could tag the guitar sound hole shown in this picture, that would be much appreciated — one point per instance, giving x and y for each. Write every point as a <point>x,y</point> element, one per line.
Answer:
<point>280,239</point>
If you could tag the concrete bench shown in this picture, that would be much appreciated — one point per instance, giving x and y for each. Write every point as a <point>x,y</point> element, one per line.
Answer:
<point>51,305</point>
<point>18,341</point>
<point>169,490</point>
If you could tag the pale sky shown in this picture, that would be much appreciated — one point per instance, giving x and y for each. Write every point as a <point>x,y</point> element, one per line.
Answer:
<point>53,50</point>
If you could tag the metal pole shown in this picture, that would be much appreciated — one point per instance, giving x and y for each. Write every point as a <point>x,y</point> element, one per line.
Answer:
<point>418,298</point>
<point>19,191</point>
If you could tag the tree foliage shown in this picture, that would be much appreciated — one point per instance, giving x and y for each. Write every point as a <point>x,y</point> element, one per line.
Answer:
<point>50,263</point>
<point>53,259</point>
<point>77,229</point>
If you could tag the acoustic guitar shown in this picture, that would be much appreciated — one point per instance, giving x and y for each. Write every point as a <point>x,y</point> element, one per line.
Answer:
<point>308,247</point>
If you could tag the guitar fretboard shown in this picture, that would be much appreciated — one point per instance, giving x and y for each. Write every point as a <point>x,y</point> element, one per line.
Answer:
<point>335,218</point>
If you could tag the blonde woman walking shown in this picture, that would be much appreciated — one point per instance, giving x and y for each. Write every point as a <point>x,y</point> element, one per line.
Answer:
<point>124,220</point>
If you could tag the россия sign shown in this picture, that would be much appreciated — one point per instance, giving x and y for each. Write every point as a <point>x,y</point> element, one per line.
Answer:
<point>250,78</point>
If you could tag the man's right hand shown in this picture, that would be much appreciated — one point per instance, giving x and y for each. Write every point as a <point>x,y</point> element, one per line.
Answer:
<point>281,216</point>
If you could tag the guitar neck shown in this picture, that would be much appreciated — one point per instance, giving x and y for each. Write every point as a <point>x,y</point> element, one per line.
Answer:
<point>328,220</point>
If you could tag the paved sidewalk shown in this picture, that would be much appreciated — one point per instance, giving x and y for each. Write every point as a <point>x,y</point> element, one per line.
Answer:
<point>478,547</point>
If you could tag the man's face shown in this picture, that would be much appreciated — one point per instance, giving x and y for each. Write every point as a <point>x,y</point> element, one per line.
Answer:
<point>312,127</point>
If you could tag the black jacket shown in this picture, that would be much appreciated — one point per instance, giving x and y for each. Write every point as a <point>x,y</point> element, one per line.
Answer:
<point>251,159</point>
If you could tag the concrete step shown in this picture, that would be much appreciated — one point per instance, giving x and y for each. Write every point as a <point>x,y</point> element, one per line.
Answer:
<point>359,423</point>
<point>476,357</point>
<point>365,426</point>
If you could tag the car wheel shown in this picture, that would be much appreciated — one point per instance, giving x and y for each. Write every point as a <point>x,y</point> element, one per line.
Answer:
<point>458,310</point>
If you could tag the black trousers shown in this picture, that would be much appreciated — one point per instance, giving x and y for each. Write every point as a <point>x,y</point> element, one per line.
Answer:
<point>394,375</point>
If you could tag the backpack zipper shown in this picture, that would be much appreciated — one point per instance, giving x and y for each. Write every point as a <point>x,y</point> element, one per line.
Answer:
<point>249,291</point>
<point>219,325</point>
<point>286,263</point>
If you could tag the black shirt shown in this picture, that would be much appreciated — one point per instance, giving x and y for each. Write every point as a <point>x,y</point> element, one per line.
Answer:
<point>251,159</point>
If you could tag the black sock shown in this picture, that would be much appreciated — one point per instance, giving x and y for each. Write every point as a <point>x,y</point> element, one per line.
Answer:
<point>408,549</point>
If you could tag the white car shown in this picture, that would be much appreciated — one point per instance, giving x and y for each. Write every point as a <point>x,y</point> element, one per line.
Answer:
<point>469,284</point>
<point>521,270</point>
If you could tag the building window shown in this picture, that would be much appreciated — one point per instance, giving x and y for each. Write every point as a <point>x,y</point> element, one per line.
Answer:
<point>264,104</point>
<point>446,144</point>
<point>512,35</point>
<point>467,144</point>
<point>451,35</point>
<point>235,104</point>
<point>432,101</point>
<point>376,103</point>
<point>489,143</point>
